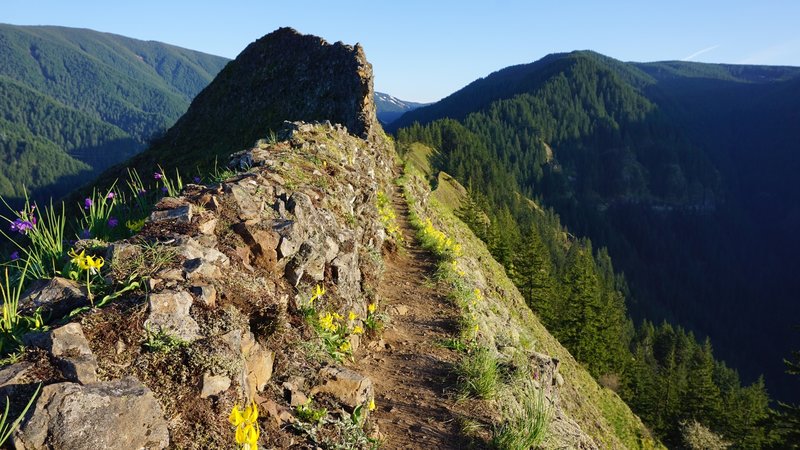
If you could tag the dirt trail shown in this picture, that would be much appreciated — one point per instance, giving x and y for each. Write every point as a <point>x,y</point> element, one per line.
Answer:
<point>412,373</point>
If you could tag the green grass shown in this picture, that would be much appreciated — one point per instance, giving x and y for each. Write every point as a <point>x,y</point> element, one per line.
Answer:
<point>159,341</point>
<point>526,425</point>
<point>478,375</point>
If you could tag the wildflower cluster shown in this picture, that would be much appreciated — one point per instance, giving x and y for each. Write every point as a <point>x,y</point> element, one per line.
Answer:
<point>335,332</point>
<point>88,265</point>
<point>246,427</point>
<point>388,218</point>
<point>374,321</point>
<point>438,242</point>
<point>308,309</point>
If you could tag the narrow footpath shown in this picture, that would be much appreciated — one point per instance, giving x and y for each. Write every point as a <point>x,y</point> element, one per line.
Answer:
<point>412,370</point>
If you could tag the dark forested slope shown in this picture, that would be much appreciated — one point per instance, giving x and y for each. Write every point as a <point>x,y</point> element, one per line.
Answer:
<point>683,170</point>
<point>95,97</point>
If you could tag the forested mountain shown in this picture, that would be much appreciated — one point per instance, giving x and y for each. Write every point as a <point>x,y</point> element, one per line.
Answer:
<point>389,108</point>
<point>682,171</point>
<point>76,101</point>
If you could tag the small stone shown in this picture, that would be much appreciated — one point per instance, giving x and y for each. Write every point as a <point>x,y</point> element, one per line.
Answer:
<point>122,251</point>
<point>206,293</point>
<point>120,347</point>
<point>199,269</point>
<point>214,384</point>
<point>398,310</point>
<point>71,350</point>
<point>169,312</point>
<point>152,283</point>
<point>258,368</point>
<point>347,386</point>
<point>181,214</point>
<point>248,207</point>
<point>207,227</point>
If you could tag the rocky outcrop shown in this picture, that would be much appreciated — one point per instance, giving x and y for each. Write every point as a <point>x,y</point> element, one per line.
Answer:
<point>282,76</point>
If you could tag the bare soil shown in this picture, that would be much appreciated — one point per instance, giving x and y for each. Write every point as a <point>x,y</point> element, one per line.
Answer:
<point>412,371</point>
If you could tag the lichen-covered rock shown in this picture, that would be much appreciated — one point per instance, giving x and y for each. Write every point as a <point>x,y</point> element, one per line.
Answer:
<point>70,349</point>
<point>110,414</point>
<point>169,312</point>
<point>214,384</point>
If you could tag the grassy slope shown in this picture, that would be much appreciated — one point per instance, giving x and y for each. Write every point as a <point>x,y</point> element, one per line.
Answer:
<point>506,320</point>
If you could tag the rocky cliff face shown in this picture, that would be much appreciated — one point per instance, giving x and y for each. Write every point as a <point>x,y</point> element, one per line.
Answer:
<point>284,75</point>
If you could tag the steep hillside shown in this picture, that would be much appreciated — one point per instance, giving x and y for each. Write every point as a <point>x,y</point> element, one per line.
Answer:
<point>108,94</point>
<point>390,108</point>
<point>655,162</point>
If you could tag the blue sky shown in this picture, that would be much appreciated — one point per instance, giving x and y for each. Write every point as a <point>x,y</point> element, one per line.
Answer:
<point>425,50</point>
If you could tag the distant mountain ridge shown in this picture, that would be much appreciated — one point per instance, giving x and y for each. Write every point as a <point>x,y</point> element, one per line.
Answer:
<point>391,108</point>
<point>106,96</point>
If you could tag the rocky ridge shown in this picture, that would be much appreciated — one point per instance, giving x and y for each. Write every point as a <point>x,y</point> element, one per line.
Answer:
<point>245,255</point>
<point>231,302</point>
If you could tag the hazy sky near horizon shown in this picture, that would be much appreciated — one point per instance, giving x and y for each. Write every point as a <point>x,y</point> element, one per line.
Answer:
<point>425,50</point>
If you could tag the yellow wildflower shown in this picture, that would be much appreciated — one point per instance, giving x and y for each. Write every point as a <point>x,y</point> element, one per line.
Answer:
<point>94,264</point>
<point>371,406</point>
<point>318,292</point>
<point>337,316</point>
<point>478,295</point>
<point>235,418</point>
<point>251,413</point>
<point>352,316</point>
<point>78,258</point>
<point>326,322</point>
<point>371,307</point>
<point>345,346</point>
<point>358,330</point>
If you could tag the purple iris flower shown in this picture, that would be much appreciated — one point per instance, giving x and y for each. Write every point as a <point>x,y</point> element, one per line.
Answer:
<point>196,180</point>
<point>21,226</point>
<point>85,234</point>
<point>87,203</point>
<point>15,256</point>
<point>110,195</point>
<point>157,175</point>
<point>112,222</point>
<point>164,189</point>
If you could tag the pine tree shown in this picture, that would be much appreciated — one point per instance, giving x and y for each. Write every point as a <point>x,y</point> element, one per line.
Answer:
<point>534,276</point>
<point>703,399</point>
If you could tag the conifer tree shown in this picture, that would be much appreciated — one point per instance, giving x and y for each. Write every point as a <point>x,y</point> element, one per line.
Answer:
<point>534,276</point>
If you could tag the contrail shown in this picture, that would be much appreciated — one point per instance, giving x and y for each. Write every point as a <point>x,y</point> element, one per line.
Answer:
<point>699,52</point>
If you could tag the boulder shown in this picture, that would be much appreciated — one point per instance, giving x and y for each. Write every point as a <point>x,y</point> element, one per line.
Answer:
<point>347,386</point>
<point>248,207</point>
<point>169,312</point>
<point>68,345</point>
<point>111,414</point>
<point>56,298</point>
